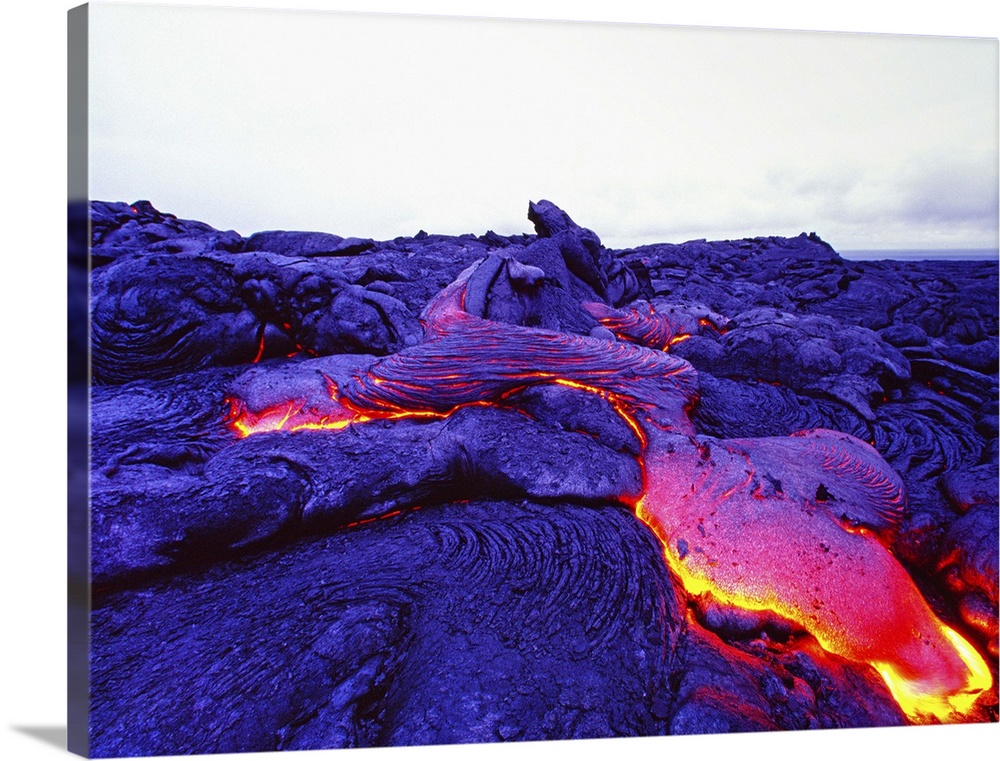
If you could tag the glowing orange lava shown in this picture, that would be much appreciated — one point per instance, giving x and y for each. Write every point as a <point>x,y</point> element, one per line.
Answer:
<point>786,556</point>
<point>727,530</point>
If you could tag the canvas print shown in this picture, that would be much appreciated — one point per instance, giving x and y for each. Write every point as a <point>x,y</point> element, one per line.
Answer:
<point>466,381</point>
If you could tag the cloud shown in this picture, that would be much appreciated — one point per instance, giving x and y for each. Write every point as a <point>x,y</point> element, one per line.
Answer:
<point>963,191</point>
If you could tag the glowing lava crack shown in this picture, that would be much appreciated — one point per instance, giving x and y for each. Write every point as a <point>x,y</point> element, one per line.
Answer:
<point>748,522</point>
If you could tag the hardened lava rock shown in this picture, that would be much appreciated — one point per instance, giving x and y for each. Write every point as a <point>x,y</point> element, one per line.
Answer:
<point>480,575</point>
<point>470,622</point>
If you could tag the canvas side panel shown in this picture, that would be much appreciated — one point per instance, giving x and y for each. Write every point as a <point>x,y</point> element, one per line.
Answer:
<point>78,387</point>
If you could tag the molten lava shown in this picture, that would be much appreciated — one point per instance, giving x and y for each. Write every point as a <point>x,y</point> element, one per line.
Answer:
<point>748,522</point>
<point>644,327</point>
<point>789,555</point>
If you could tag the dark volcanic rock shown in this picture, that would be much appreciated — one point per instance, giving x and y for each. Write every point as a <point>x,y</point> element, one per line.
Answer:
<point>154,316</point>
<point>974,486</point>
<point>119,229</point>
<point>306,244</point>
<point>535,290</point>
<point>360,639</point>
<point>813,355</point>
<point>906,334</point>
<point>477,574</point>
<point>764,685</point>
<point>175,296</point>
<point>583,254</point>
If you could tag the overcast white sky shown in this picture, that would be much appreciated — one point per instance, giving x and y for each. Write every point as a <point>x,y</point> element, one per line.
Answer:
<point>382,125</point>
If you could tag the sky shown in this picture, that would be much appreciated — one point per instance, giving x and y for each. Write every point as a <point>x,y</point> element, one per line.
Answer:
<point>382,125</point>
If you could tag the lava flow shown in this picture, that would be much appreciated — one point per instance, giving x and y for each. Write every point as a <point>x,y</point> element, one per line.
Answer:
<point>744,521</point>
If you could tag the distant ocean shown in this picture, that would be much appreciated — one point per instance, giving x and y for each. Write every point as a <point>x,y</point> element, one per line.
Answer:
<point>913,255</point>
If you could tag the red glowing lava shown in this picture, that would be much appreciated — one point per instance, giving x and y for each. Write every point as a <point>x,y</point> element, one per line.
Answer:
<point>260,344</point>
<point>644,327</point>
<point>744,521</point>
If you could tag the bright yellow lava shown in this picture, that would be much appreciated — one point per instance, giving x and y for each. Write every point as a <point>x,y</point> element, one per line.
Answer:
<point>920,703</point>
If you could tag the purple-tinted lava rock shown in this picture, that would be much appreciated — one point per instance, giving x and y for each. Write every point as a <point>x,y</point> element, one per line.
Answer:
<point>478,574</point>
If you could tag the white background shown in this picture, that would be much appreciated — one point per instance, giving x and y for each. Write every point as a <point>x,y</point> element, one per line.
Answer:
<point>33,646</point>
